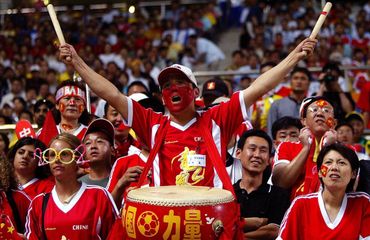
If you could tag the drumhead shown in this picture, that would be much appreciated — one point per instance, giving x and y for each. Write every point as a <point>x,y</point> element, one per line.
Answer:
<point>180,196</point>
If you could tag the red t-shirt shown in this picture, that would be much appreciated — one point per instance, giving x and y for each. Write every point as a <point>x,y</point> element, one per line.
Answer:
<point>183,157</point>
<point>120,167</point>
<point>307,219</point>
<point>90,215</point>
<point>308,180</point>
<point>37,186</point>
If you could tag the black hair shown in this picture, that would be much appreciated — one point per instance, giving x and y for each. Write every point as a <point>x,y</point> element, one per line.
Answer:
<point>285,123</point>
<point>235,52</point>
<point>138,83</point>
<point>267,64</point>
<point>23,102</point>
<point>347,153</point>
<point>41,102</point>
<point>5,138</point>
<point>106,106</point>
<point>341,124</point>
<point>41,172</point>
<point>302,70</point>
<point>254,133</point>
<point>332,66</point>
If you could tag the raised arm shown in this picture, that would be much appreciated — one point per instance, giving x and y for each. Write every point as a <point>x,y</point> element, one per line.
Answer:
<point>271,78</point>
<point>286,174</point>
<point>98,84</point>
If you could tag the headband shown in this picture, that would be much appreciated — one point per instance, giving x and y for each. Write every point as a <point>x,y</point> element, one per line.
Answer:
<point>72,91</point>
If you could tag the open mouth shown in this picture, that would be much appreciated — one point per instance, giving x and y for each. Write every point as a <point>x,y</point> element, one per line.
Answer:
<point>176,99</point>
<point>334,176</point>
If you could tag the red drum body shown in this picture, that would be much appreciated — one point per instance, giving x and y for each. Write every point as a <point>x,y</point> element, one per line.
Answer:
<point>180,212</point>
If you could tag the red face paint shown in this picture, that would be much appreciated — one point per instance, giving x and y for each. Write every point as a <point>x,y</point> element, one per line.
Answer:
<point>185,93</point>
<point>321,103</point>
<point>330,122</point>
<point>81,108</point>
<point>62,107</point>
<point>324,170</point>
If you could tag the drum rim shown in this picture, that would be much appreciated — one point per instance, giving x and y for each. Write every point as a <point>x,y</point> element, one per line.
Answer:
<point>181,202</point>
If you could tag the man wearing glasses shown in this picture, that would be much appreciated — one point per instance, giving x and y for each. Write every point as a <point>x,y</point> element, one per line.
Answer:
<point>295,162</point>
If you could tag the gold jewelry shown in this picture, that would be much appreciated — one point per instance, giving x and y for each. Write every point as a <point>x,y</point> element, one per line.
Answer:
<point>69,199</point>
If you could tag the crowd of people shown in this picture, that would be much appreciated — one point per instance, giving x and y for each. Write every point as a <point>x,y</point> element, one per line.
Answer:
<point>292,141</point>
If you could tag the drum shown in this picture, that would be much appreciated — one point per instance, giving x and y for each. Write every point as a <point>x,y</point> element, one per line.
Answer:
<point>180,212</point>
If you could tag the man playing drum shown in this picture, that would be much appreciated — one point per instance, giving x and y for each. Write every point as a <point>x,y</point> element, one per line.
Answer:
<point>183,158</point>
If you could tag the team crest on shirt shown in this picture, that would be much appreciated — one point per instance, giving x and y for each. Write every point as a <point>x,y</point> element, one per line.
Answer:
<point>192,167</point>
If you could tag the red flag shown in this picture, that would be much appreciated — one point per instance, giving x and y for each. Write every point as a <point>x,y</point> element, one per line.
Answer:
<point>49,129</point>
<point>7,230</point>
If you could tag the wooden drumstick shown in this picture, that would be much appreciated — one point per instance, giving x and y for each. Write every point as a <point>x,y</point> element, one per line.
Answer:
<point>320,21</point>
<point>56,25</point>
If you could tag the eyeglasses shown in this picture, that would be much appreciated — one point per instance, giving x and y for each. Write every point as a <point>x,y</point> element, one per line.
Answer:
<point>65,156</point>
<point>315,109</point>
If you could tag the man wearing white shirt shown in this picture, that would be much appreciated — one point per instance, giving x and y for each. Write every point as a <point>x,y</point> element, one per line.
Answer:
<point>206,49</point>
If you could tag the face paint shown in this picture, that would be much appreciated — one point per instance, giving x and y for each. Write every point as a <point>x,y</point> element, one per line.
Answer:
<point>81,108</point>
<point>321,103</point>
<point>185,93</point>
<point>62,107</point>
<point>324,170</point>
<point>330,122</point>
<point>66,127</point>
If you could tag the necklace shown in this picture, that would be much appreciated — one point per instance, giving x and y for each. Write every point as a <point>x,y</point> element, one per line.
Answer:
<point>69,199</point>
<point>67,128</point>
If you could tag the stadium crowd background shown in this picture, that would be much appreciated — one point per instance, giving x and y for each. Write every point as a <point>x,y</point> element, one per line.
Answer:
<point>127,48</point>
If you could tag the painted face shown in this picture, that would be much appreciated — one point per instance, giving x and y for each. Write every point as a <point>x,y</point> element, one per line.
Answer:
<point>71,106</point>
<point>177,95</point>
<point>254,155</point>
<point>320,117</point>
<point>336,171</point>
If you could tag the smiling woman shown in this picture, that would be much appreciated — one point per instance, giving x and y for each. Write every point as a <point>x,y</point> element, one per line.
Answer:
<point>335,211</point>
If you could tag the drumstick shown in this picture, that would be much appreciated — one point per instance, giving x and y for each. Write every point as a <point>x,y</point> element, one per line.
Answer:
<point>320,21</point>
<point>56,25</point>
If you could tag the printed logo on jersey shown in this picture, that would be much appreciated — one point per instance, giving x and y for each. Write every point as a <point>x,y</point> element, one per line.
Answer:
<point>80,227</point>
<point>192,166</point>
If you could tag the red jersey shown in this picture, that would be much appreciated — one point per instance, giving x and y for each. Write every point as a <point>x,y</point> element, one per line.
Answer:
<point>120,167</point>
<point>183,158</point>
<point>79,132</point>
<point>22,203</point>
<point>307,218</point>
<point>308,180</point>
<point>90,215</point>
<point>37,186</point>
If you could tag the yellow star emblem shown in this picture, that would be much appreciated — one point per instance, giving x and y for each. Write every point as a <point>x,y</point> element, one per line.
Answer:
<point>10,229</point>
